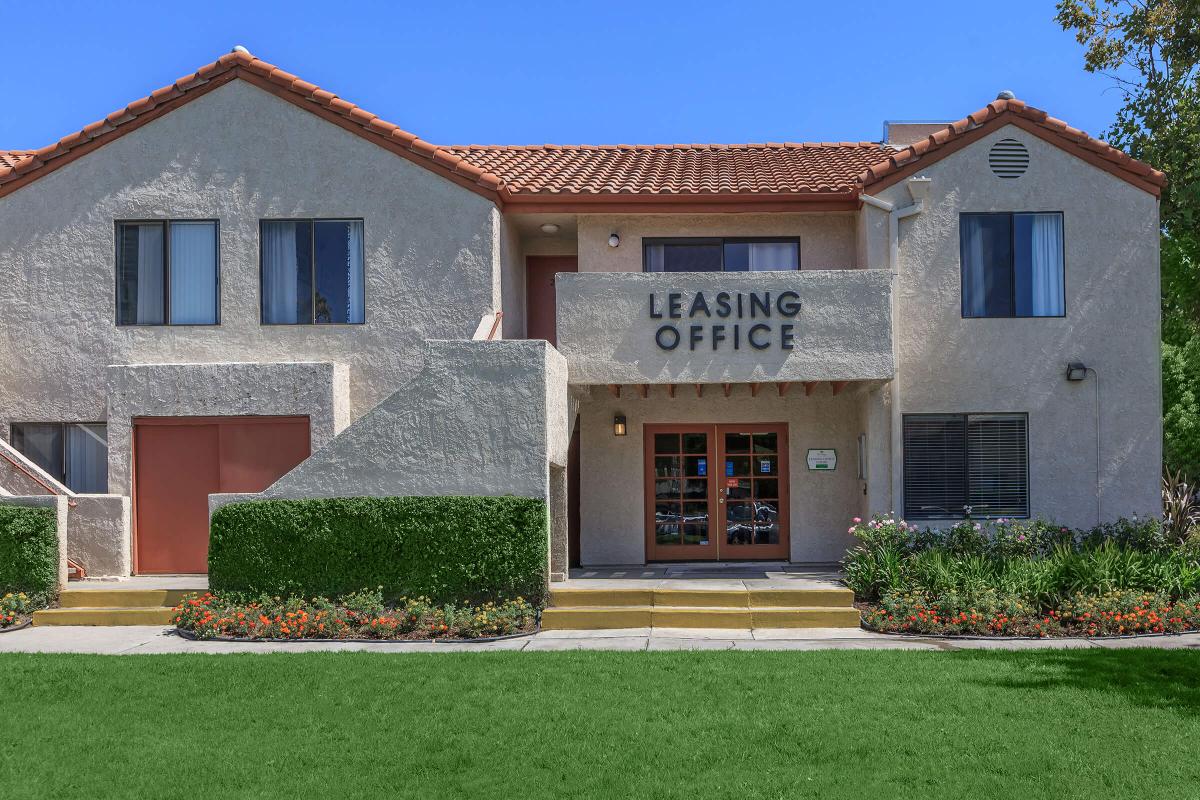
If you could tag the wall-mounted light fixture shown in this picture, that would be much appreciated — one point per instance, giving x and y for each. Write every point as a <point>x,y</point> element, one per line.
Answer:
<point>618,425</point>
<point>614,240</point>
<point>1076,371</point>
<point>549,228</point>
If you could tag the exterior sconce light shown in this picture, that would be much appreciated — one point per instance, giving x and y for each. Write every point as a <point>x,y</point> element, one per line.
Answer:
<point>614,240</point>
<point>1076,371</point>
<point>618,425</point>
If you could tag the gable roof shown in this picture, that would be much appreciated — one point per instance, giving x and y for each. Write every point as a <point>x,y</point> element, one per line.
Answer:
<point>908,160</point>
<point>700,177</point>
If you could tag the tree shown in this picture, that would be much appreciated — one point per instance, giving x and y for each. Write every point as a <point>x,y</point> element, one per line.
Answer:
<point>1151,51</point>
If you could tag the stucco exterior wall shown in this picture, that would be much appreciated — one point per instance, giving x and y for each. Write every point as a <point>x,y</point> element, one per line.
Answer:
<point>238,155</point>
<point>827,240</point>
<point>950,364</point>
<point>98,534</point>
<point>316,390</point>
<point>842,332</point>
<point>612,470</point>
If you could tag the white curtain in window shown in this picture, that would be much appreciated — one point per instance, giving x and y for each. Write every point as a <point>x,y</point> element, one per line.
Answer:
<point>1046,265</point>
<point>150,275</point>
<point>279,273</point>
<point>974,264</point>
<point>193,273</point>
<point>765,256</point>
<point>656,258</point>
<point>355,296</point>
<point>87,459</point>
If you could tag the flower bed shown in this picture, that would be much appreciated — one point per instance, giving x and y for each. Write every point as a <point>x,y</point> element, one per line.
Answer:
<point>16,609</point>
<point>362,615</point>
<point>1023,578</point>
<point>1119,613</point>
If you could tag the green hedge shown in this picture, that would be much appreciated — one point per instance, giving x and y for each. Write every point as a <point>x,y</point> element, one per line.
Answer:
<point>446,548</point>
<point>28,550</point>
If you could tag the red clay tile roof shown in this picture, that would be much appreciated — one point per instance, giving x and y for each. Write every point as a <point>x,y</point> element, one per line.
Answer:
<point>907,160</point>
<point>676,169</point>
<point>537,176</point>
<point>9,158</point>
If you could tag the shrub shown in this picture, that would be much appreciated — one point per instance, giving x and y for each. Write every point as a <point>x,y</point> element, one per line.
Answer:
<point>445,548</point>
<point>28,550</point>
<point>361,615</point>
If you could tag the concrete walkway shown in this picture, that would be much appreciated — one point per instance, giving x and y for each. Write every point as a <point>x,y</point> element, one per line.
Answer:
<point>156,639</point>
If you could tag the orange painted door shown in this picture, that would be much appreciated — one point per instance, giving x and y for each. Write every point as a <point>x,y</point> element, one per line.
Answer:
<point>539,293</point>
<point>179,462</point>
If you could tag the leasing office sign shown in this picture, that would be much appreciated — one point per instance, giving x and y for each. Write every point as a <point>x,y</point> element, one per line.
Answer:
<point>655,327</point>
<point>725,320</point>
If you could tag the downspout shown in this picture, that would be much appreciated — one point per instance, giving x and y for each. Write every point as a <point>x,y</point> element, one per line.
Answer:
<point>918,188</point>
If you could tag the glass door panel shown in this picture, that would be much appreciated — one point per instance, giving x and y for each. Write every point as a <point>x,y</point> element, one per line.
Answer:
<point>754,491</point>
<point>682,489</point>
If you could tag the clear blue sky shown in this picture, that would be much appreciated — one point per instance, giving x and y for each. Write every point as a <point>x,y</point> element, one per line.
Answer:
<point>597,72</point>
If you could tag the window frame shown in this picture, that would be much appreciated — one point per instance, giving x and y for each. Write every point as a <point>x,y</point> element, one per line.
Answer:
<point>62,425</point>
<point>966,418</point>
<point>312,273</point>
<point>165,222</point>
<point>1012,266</point>
<point>721,241</point>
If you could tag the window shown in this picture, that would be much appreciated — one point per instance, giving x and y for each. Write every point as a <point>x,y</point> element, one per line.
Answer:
<point>167,272</point>
<point>956,461</point>
<point>312,272</point>
<point>717,255</point>
<point>74,453</point>
<point>1012,265</point>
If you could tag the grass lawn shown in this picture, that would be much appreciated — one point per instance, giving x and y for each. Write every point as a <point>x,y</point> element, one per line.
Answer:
<point>1094,724</point>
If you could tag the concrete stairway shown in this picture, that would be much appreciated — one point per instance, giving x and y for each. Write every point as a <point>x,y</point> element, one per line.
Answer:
<point>770,607</point>
<point>112,607</point>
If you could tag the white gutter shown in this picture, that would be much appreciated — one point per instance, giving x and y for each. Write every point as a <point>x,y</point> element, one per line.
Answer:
<point>918,189</point>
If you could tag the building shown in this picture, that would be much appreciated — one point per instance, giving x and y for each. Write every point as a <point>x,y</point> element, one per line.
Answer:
<point>244,284</point>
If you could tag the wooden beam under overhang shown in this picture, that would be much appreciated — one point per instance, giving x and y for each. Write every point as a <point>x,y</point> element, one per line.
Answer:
<point>809,386</point>
<point>838,386</point>
<point>727,388</point>
<point>671,390</point>
<point>754,387</point>
<point>783,388</point>
<point>614,389</point>
<point>699,389</point>
<point>644,390</point>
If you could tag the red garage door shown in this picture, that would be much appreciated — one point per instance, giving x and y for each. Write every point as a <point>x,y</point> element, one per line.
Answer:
<point>180,461</point>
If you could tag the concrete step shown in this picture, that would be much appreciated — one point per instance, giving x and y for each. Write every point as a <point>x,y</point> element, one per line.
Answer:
<point>702,598</point>
<point>121,598</point>
<point>115,615</point>
<point>607,617</point>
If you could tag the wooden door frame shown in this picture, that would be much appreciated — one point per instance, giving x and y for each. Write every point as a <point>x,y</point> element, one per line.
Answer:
<point>147,421</point>
<point>755,552</point>
<point>714,550</point>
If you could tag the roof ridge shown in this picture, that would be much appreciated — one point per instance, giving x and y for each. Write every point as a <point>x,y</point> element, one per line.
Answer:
<point>679,146</point>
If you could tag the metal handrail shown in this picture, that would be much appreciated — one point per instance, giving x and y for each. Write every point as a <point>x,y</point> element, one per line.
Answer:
<point>33,477</point>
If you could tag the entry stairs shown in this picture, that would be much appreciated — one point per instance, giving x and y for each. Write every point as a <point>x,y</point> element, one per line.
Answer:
<point>112,607</point>
<point>768,607</point>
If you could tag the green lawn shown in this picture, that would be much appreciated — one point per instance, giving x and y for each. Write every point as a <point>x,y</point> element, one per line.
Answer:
<point>1094,724</point>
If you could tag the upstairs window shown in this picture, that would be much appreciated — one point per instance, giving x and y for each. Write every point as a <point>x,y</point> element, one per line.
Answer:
<point>1012,265</point>
<point>312,272</point>
<point>953,462</point>
<point>73,453</point>
<point>720,255</point>
<point>167,272</point>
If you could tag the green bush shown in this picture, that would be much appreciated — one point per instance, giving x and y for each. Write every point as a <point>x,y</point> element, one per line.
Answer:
<point>28,550</point>
<point>450,549</point>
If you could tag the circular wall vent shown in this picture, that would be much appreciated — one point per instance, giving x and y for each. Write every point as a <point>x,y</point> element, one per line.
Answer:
<point>1008,158</point>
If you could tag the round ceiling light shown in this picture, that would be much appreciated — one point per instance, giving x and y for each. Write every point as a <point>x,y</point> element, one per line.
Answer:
<point>550,228</point>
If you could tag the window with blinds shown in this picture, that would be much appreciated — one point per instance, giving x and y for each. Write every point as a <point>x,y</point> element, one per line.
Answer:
<point>955,461</point>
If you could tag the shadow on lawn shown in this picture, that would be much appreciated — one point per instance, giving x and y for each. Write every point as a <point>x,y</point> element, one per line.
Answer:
<point>1152,678</point>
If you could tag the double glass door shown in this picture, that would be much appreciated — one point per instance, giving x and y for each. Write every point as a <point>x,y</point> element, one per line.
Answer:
<point>716,492</point>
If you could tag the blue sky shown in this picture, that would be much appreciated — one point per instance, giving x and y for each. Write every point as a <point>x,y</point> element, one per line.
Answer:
<point>597,72</point>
